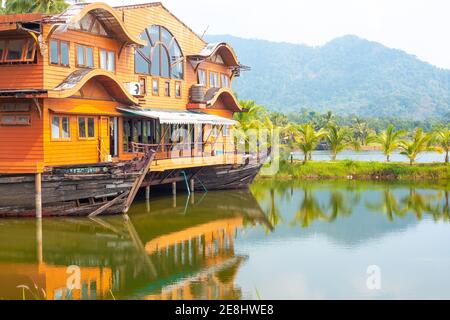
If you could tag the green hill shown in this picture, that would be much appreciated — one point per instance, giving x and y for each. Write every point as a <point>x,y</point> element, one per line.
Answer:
<point>348,75</point>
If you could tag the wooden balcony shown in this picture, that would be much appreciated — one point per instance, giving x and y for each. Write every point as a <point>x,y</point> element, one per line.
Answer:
<point>190,155</point>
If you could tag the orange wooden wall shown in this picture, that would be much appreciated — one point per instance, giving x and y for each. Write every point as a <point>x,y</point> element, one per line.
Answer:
<point>21,147</point>
<point>22,76</point>
<point>75,150</point>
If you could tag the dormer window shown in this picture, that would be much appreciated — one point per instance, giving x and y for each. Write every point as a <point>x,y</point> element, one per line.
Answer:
<point>85,56</point>
<point>225,80</point>
<point>202,77</point>
<point>162,56</point>
<point>107,60</point>
<point>59,53</point>
<point>214,80</point>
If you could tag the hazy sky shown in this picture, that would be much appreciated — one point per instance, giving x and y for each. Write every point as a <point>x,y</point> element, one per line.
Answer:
<point>420,27</point>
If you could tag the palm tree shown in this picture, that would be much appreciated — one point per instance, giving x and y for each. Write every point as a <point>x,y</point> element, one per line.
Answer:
<point>279,119</point>
<point>338,139</point>
<point>389,140</point>
<point>307,138</point>
<point>256,118</point>
<point>30,6</point>
<point>327,119</point>
<point>361,130</point>
<point>420,142</point>
<point>253,112</point>
<point>288,135</point>
<point>443,142</point>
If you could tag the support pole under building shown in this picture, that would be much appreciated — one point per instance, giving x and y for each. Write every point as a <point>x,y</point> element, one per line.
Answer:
<point>38,195</point>
<point>174,188</point>
<point>147,197</point>
<point>192,185</point>
<point>147,193</point>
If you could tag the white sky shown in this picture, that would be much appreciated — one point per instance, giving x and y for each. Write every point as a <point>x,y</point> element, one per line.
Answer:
<point>419,27</point>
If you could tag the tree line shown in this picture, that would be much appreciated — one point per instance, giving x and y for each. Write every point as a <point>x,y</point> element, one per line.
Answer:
<point>327,132</point>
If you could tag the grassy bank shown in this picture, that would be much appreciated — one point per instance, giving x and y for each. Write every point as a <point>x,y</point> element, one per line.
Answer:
<point>361,170</point>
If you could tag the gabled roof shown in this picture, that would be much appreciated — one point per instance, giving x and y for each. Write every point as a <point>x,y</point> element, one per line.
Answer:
<point>158,4</point>
<point>227,96</point>
<point>224,49</point>
<point>107,16</point>
<point>77,79</point>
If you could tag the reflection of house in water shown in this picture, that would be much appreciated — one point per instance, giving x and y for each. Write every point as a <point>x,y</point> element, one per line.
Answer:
<point>184,252</point>
<point>50,282</point>
<point>202,257</point>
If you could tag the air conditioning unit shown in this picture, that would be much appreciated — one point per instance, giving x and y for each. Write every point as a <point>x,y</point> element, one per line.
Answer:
<point>134,88</point>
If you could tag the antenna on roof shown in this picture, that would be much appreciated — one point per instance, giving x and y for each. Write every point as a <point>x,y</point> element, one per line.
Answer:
<point>123,11</point>
<point>204,32</point>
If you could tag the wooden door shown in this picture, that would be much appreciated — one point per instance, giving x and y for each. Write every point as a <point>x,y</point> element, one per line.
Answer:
<point>103,137</point>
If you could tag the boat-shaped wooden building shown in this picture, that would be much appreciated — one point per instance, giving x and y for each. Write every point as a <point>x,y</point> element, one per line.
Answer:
<point>97,102</point>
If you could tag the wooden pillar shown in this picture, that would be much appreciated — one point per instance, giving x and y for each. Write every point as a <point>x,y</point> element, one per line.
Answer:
<point>192,185</point>
<point>174,194</point>
<point>147,192</point>
<point>38,195</point>
<point>174,188</point>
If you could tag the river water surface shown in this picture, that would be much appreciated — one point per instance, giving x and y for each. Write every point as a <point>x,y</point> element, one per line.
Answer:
<point>311,240</point>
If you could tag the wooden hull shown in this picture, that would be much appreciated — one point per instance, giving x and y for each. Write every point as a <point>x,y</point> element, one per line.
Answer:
<point>228,177</point>
<point>88,190</point>
<point>75,191</point>
<point>83,190</point>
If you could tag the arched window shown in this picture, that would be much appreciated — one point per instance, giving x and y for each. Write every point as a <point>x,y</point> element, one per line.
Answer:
<point>161,56</point>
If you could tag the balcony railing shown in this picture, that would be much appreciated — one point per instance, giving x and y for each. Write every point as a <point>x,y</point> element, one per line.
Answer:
<point>186,150</point>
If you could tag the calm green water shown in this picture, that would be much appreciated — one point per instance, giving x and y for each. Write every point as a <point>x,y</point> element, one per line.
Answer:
<point>279,241</point>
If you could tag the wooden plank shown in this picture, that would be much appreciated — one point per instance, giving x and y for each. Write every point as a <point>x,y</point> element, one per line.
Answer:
<point>140,179</point>
<point>108,205</point>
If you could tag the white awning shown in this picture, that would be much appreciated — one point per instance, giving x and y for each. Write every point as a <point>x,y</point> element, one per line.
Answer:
<point>179,117</point>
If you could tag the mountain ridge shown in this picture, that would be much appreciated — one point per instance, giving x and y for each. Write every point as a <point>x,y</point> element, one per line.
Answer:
<point>347,75</point>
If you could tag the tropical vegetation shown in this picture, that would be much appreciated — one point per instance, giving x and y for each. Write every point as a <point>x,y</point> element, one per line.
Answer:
<point>443,142</point>
<point>388,140</point>
<point>361,170</point>
<point>420,142</point>
<point>327,132</point>
<point>339,138</point>
<point>34,6</point>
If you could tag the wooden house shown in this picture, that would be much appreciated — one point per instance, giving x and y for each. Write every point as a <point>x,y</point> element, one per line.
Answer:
<point>98,85</point>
